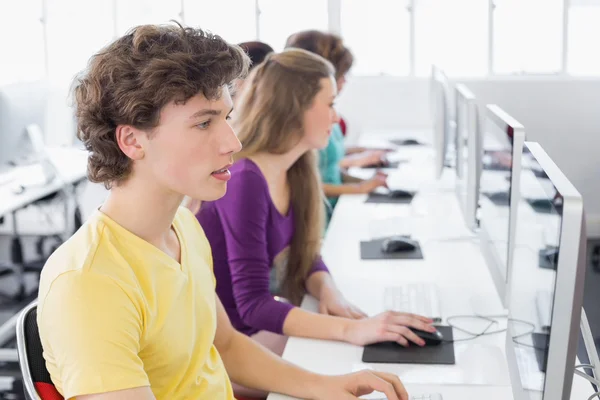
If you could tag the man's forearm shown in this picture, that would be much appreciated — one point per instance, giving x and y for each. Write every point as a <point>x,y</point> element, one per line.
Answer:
<point>252,365</point>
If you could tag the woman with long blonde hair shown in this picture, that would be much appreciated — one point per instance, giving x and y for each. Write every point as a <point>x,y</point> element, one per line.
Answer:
<point>265,233</point>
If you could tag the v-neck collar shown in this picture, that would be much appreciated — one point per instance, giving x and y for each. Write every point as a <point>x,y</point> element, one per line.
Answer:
<point>144,245</point>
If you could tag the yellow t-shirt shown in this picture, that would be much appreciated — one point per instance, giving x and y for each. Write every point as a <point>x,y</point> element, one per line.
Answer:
<point>115,313</point>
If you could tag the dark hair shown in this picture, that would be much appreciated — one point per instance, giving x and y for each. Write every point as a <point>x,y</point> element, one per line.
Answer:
<point>132,79</point>
<point>327,45</point>
<point>257,51</point>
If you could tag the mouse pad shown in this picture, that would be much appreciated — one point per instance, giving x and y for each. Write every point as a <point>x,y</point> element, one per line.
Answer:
<point>371,250</point>
<point>403,142</point>
<point>390,352</point>
<point>391,165</point>
<point>385,198</point>
<point>542,207</point>
<point>498,201</point>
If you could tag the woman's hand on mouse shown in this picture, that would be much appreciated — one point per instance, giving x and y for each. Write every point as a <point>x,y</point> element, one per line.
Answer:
<point>331,302</point>
<point>379,180</point>
<point>389,326</point>
<point>371,157</point>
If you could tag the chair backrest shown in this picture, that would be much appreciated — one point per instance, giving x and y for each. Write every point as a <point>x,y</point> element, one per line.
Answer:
<point>36,378</point>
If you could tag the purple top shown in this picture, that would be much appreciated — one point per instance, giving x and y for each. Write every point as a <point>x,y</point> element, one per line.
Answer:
<point>246,233</point>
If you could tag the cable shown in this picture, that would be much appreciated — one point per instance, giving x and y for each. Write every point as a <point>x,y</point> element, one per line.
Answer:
<point>590,366</point>
<point>587,377</point>
<point>492,319</point>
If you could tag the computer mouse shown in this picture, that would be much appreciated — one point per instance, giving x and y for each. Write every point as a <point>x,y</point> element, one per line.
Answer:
<point>548,257</point>
<point>499,197</point>
<point>430,338</point>
<point>397,244</point>
<point>400,194</point>
<point>410,142</point>
<point>541,204</point>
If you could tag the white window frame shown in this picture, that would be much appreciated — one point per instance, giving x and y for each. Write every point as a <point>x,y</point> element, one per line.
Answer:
<point>334,26</point>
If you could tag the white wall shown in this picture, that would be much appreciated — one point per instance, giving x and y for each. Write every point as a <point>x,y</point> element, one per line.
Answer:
<point>562,114</point>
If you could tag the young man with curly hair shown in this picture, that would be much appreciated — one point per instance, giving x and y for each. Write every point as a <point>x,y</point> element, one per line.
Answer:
<point>127,307</point>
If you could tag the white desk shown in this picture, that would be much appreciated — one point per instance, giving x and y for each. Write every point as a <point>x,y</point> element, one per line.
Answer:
<point>71,164</point>
<point>452,259</point>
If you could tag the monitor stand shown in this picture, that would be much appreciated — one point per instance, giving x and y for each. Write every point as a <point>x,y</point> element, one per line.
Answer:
<point>590,347</point>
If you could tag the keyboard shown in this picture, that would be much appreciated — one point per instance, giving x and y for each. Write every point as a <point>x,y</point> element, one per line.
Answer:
<point>432,396</point>
<point>415,298</point>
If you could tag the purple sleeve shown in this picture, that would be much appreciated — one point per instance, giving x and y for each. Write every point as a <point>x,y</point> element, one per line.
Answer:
<point>244,215</point>
<point>319,265</point>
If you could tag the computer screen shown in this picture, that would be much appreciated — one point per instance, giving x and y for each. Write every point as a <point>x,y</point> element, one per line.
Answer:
<point>503,139</point>
<point>546,285</point>
<point>468,154</point>
<point>443,119</point>
<point>21,105</point>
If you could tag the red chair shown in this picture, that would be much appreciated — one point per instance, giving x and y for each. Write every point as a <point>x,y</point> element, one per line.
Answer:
<point>343,126</point>
<point>36,378</point>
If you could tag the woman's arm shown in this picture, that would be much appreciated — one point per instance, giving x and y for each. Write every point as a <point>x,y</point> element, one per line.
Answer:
<point>353,185</point>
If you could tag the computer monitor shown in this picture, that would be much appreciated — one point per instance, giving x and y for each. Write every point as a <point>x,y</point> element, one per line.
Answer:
<point>503,139</point>
<point>546,294</point>
<point>21,105</point>
<point>468,154</point>
<point>443,118</point>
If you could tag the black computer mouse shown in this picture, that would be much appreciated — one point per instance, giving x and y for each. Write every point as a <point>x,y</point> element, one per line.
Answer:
<point>397,244</point>
<point>400,194</point>
<point>541,204</point>
<point>499,197</point>
<point>430,338</point>
<point>410,142</point>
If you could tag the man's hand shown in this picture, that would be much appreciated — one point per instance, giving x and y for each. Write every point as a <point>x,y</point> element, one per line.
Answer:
<point>351,386</point>
<point>331,302</point>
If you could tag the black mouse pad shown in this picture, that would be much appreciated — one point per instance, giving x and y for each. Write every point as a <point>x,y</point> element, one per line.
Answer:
<point>371,250</point>
<point>391,165</point>
<point>544,207</point>
<point>500,201</point>
<point>385,198</point>
<point>393,353</point>
<point>404,142</point>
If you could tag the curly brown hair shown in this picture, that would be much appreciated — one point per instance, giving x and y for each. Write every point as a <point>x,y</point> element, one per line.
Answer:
<point>327,45</point>
<point>132,79</point>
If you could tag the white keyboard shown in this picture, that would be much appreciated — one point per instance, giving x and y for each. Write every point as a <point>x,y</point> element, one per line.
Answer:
<point>415,298</point>
<point>433,396</point>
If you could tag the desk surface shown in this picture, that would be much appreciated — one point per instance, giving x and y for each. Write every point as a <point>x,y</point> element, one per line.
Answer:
<point>71,164</point>
<point>452,260</point>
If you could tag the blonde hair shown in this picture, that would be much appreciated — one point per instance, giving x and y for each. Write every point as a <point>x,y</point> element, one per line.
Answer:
<point>270,120</point>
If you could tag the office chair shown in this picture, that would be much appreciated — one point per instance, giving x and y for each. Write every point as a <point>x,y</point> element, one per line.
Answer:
<point>36,378</point>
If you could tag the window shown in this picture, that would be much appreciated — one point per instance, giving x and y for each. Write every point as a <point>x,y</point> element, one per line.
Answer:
<point>233,20</point>
<point>452,35</point>
<point>527,36</point>
<point>279,19</point>
<point>131,13</point>
<point>73,37</point>
<point>22,43</point>
<point>584,30</point>
<point>378,33</point>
